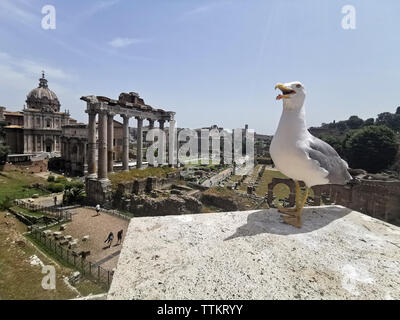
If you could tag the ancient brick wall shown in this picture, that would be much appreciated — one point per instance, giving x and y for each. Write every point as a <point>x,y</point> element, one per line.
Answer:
<point>146,185</point>
<point>28,167</point>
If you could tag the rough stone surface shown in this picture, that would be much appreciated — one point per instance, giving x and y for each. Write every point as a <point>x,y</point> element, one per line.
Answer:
<point>143,205</point>
<point>338,254</point>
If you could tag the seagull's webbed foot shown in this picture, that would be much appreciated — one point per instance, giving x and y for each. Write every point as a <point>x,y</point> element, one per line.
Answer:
<point>289,211</point>
<point>293,220</point>
<point>293,215</point>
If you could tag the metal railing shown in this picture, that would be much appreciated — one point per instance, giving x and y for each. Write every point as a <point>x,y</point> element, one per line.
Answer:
<point>88,269</point>
<point>126,216</point>
<point>53,212</point>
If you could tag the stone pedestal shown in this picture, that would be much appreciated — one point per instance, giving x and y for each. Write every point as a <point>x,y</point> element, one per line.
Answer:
<point>98,191</point>
<point>338,254</point>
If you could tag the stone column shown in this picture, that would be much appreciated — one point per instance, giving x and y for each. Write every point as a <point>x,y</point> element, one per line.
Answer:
<point>125,145</point>
<point>172,150</point>
<point>139,142</point>
<point>25,144</point>
<point>102,161</point>
<point>84,163</point>
<point>28,138</point>
<point>162,142</point>
<point>151,123</point>
<point>161,122</point>
<point>91,159</point>
<point>67,150</point>
<point>110,143</point>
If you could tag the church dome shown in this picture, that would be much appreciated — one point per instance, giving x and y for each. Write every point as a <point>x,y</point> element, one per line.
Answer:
<point>42,98</point>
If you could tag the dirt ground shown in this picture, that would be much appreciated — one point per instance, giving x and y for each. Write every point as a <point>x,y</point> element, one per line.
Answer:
<point>85,222</point>
<point>48,201</point>
<point>46,174</point>
<point>21,268</point>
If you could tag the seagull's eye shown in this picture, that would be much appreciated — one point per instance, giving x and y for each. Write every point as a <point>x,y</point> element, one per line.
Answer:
<point>298,86</point>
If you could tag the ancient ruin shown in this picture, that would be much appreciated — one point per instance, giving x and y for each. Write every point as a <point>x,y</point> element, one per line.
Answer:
<point>128,105</point>
<point>74,147</point>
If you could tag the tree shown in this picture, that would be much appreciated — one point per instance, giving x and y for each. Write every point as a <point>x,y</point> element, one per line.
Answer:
<point>4,151</point>
<point>6,203</point>
<point>335,142</point>
<point>342,126</point>
<point>391,120</point>
<point>355,122</point>
<point>369,122</point>
<point>371,148</point>
<point>74,192</point>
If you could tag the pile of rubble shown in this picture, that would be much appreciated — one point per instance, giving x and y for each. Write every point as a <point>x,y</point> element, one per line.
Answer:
<point>67,241</point>
<point>179,199</point>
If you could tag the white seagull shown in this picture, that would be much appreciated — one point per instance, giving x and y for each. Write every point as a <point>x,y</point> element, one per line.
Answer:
<point>301,156</point>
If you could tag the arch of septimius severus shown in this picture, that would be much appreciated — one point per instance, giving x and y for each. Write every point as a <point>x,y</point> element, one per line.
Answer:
<point>128,105</point>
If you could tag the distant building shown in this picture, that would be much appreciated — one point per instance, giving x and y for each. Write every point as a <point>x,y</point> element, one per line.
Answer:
<point>37,129</point>
<point>2,124</point>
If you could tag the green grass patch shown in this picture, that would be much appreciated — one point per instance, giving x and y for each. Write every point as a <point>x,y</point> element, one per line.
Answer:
<point>20,280</point>
<point>124,176</point>
<point>235,178</point>
<point>17,185</point>
<point>243,203</point>
<point>281,191</point>
<point>49,252</point>
<point>198,163</point>
<point>252,175</point>
<point>85,287</point>
<point>28,212</point>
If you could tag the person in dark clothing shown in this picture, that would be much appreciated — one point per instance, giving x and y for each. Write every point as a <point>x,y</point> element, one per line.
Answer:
<point>55,200</point>
<point>110,239</point>
<point>119,236</point>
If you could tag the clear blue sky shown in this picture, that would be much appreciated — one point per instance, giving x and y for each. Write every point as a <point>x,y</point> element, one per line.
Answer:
<point>213,62</point>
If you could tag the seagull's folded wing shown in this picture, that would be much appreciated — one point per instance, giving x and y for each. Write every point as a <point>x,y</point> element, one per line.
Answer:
<point>329,160</point>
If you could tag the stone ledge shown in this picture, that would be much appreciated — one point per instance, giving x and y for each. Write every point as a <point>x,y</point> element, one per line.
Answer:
<point>338,254</point>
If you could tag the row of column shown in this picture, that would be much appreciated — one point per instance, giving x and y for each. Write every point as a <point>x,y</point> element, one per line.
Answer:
<point>105,143</point>
<point>31,143</point>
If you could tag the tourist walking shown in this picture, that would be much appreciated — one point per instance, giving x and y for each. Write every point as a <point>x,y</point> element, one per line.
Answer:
<point>119,236</point>
<point>98,210</point>
<point>109,239</point>
<point>55,200</point>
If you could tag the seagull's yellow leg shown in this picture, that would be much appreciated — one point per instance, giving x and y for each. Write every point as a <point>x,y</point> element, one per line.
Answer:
<point>295,218</point>
<point>292,211</point>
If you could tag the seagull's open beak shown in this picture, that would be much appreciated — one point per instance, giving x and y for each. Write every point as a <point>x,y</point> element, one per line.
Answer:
<point>285,90</point>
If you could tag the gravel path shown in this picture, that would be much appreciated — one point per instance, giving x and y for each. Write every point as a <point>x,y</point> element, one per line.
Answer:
<point>85,222</point>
